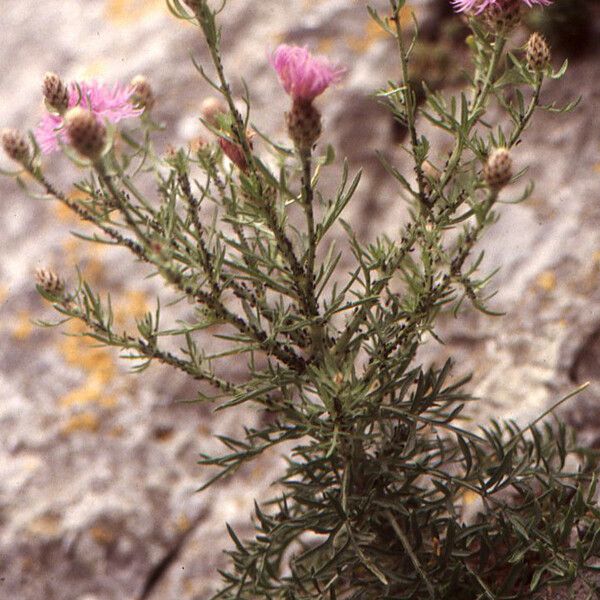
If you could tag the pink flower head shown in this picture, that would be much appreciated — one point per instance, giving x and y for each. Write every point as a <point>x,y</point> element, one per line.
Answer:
<point>478,6</point>
<point>303,76</point>
<point>110,103</point>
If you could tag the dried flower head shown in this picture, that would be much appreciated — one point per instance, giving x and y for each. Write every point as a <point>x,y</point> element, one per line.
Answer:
<point>55,92</point>
<point>302,75</point>
<point>85,131</point>
<point>49,281</point>
<point>478,6</point>
<point>537,52</point>
<point>15,145</point>
<point>142,94</point>
<point>497,171</point>
<point>112,103</point>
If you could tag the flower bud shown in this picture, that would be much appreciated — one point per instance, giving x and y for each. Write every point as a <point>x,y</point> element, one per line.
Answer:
<point>50,282</point>
<point>537,52</point>
<point>142,94</point>
<point>503,14</point>
<point>211,109</point>
<point>497,171</point>
<point>55,93</point>
<point>304,124</point>
<point>15,145</point>
<point>86,133</point>
<point>234,153</point>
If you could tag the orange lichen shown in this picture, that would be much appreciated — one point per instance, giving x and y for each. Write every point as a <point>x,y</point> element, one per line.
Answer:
<point>94,269</point>
<point>23,327</point>
<point>373,33</point>
<point>45,526</point>
<point>64,213</point>
<point>134,305</point>
<point>183,523</point>
<point>100,366</point>
<point>117,431</point>
<point>546,281</point>
<point>124,12</point>
<point>103,535</point>
<point>82,422</point>
<point>469,497</point>
<point>79,352</point>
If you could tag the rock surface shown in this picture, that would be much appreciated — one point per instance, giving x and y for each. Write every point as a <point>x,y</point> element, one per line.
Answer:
<point>98,467</point>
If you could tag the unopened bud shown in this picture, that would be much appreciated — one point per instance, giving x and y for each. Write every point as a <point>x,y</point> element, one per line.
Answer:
<point>497,171</point>
<point>503,14</point>
<point>304,124</point>
<point>234,153</point>
<point>55,93</point>
<point>50,282</point>
<point>143,95</point>
<point>86,133</point>
<point>537,52</point>
<point>211,109</point>
<point>15,145</point>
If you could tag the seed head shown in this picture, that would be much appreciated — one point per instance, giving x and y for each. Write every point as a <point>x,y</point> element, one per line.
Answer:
<point>304,125</point>
<point>537,52</point>
<point>497,171</point>
<point>142,93</point>
<point>56,93</point>
<point>15,145</point>
<point>85,132</point>
<point>50,282</point>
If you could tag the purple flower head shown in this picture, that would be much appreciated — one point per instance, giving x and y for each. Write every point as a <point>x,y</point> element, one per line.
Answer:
<point>478,6</point>
<point>110,103</point>
<point>303,76</point>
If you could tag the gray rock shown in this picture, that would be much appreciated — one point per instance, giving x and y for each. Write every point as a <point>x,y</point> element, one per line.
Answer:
<point>97,468</point>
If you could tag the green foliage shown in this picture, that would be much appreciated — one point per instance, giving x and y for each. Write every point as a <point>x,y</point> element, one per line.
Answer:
<point>385,493</point>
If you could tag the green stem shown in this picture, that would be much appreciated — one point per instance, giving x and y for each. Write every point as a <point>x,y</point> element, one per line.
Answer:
<point>516,134</point>
<point>478,103</point>
<point>410,106</point>
<point>311,303</point>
